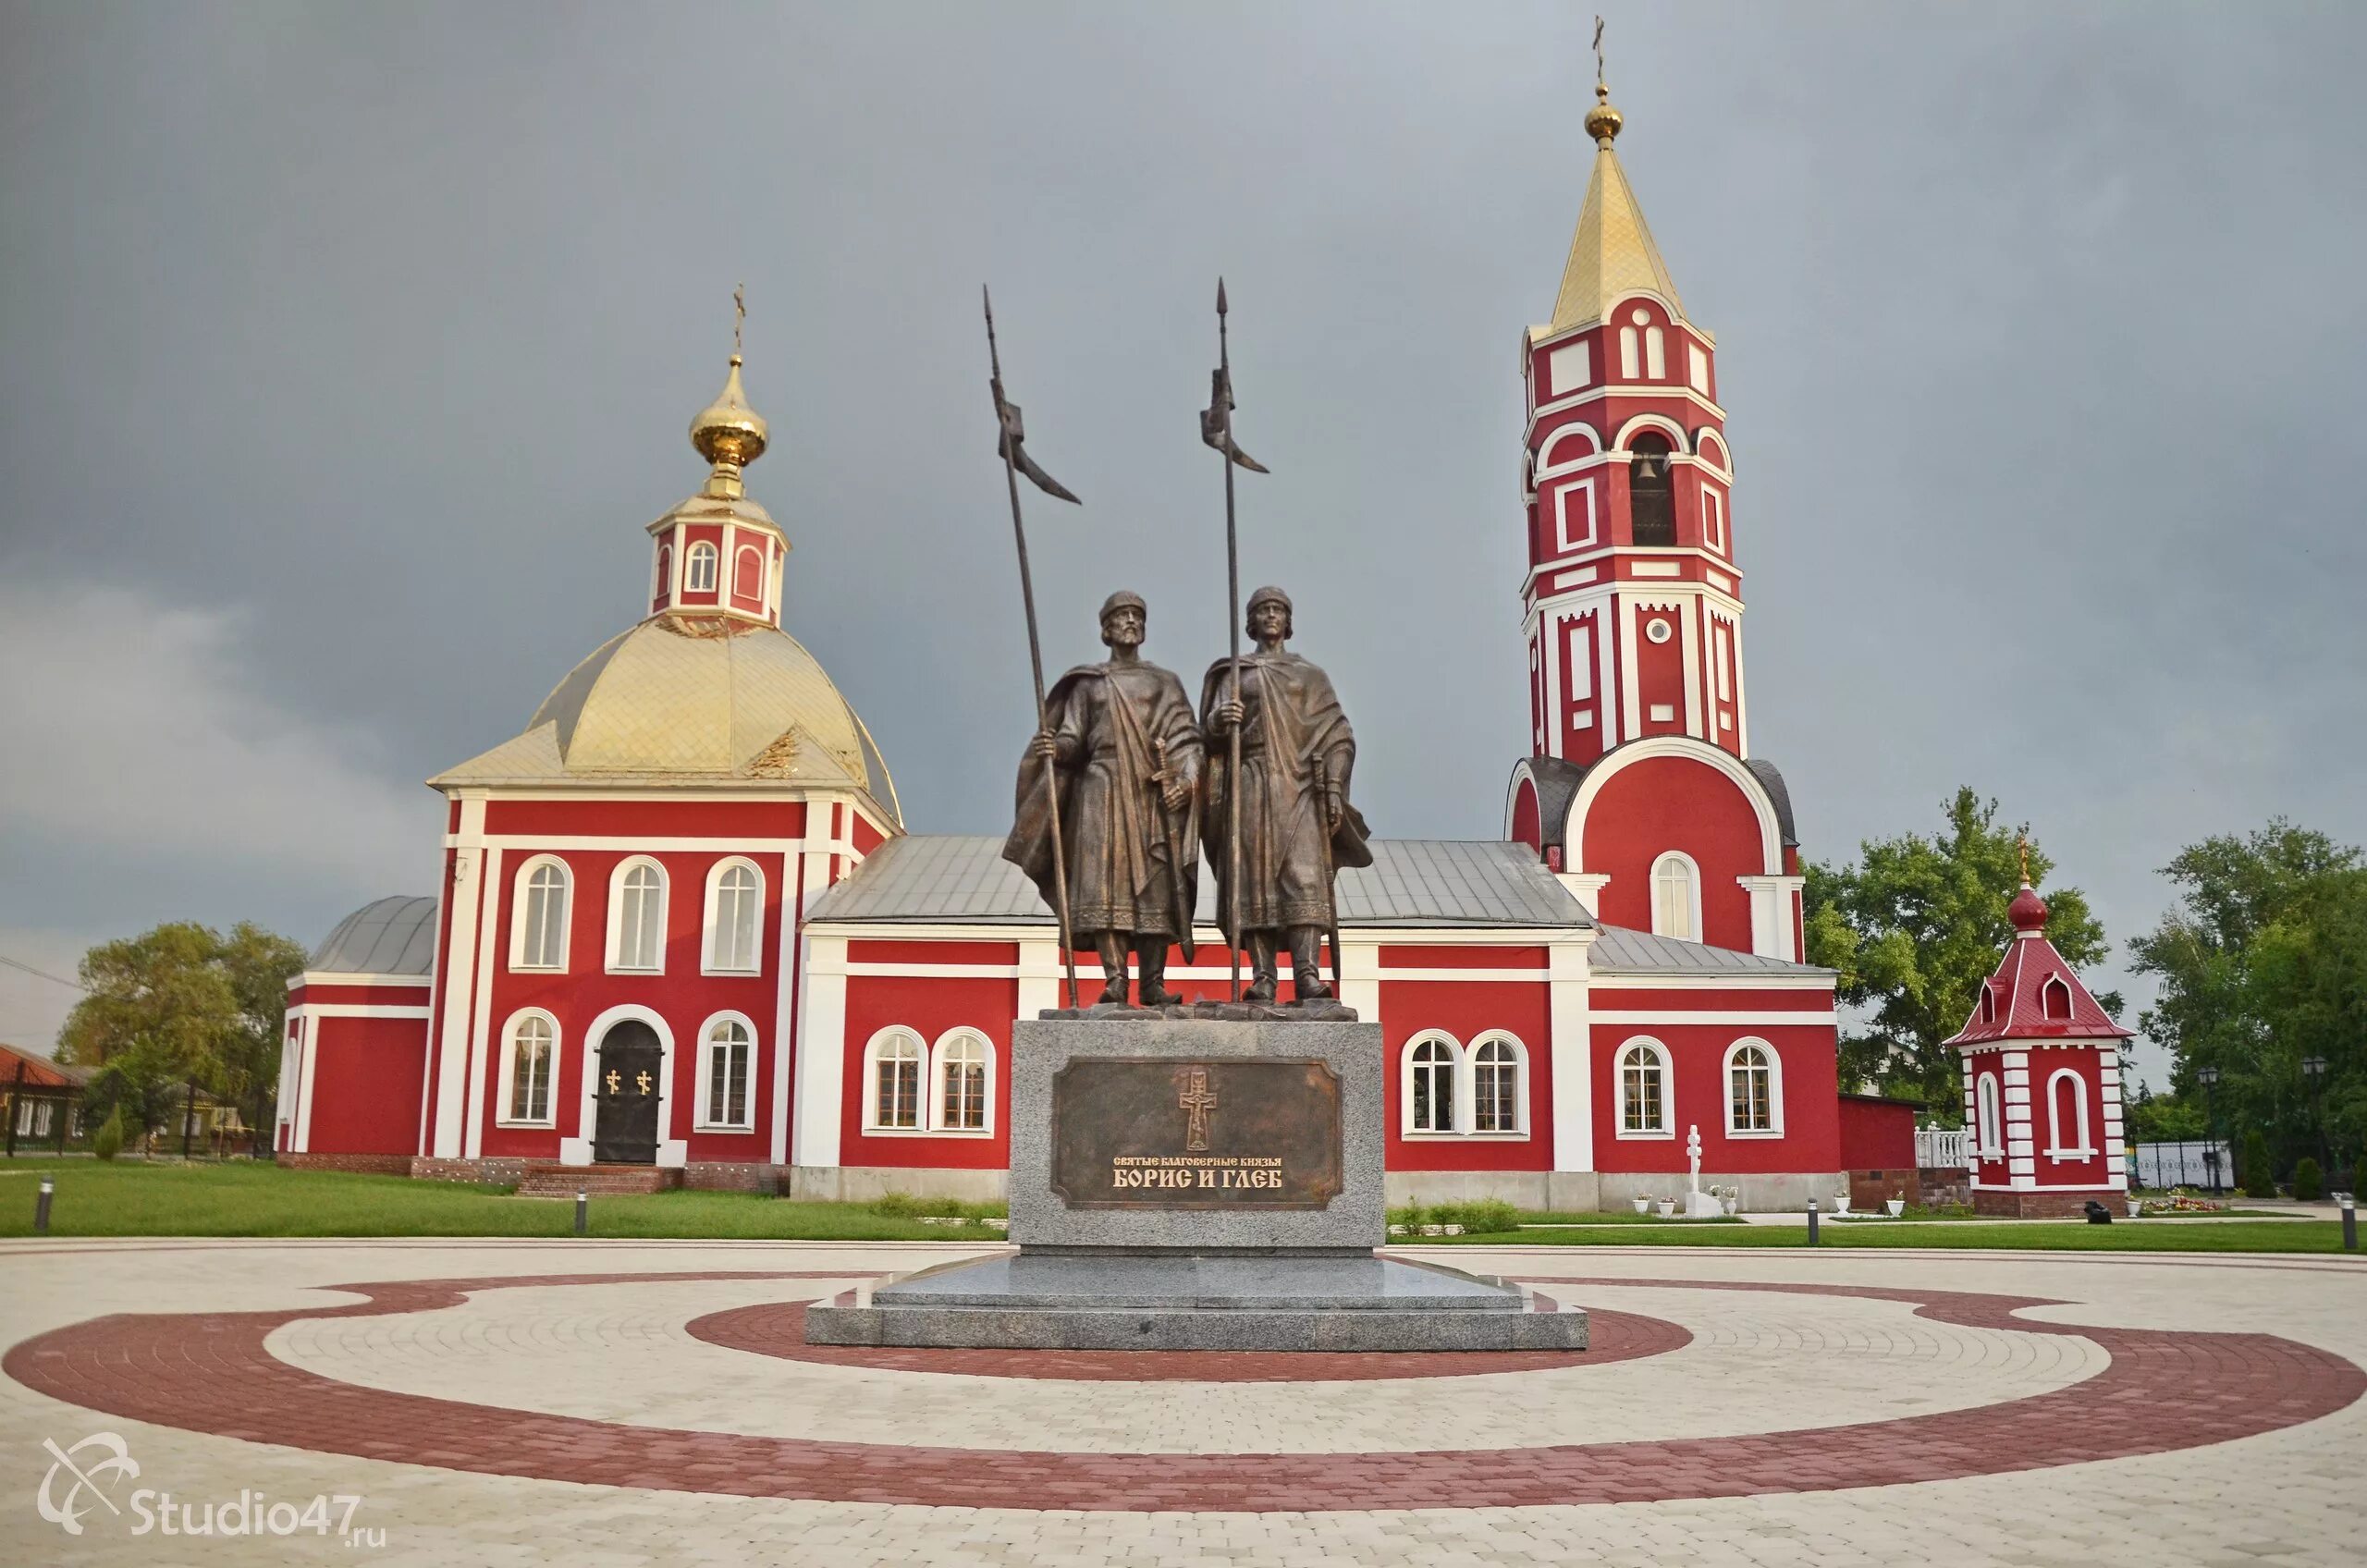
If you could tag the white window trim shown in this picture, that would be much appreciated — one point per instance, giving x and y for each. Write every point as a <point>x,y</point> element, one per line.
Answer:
<point>933,1114</point>
<point>510,1068</point>
<point>2050,987</point>
<point>2056,1150</point>
<point>1987,1117</point>
<point>702,551</point>
<point>1457,1082</point>
<point>1518,1131</point>
<point>707,1052</point>
<point>1653,886</point>
<point>1582,494</point>
<point>518,905</point>
<point>1713,518</point>
<point>709,930</point>
<point>870,1086</point>
<point>617,915</point>
<point>1774,1089</point>
<point>1619,1090</point>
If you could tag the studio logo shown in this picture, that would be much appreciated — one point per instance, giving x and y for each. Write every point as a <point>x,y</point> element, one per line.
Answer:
<point>75,1475</point>
<point>85,1477</point>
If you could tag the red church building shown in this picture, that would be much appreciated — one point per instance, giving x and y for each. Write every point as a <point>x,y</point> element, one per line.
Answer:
<point>682,928</point>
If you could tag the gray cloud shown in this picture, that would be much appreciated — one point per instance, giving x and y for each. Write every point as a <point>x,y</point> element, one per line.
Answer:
<point>373,333</point>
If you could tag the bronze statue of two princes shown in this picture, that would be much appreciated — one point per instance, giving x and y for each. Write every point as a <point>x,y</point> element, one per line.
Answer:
<point>1142,782</point>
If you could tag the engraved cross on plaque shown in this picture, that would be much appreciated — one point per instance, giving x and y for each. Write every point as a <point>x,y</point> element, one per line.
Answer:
<point>1197,1102</point>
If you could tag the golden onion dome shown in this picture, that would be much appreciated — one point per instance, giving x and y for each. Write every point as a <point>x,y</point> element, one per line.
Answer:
<point>1602,120</point>
<point>727,430</point>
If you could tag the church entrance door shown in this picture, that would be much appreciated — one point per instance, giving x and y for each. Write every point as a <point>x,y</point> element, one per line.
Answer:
<point>627,1093</point>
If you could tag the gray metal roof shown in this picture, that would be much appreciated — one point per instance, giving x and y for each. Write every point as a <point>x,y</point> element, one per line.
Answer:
<point>1619,950</point>
<point>393,936</point>
<point>1770,778</point>
<point>1411,882</point>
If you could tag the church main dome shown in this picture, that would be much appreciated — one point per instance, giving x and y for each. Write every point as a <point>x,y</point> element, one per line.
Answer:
<point>684,699</point>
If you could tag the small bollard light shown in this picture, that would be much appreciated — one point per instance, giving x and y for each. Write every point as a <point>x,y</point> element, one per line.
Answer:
<point>2349,1221</point>
<point>1812,1236</point>
<point>48,1186</point>
<point>583,1213</point>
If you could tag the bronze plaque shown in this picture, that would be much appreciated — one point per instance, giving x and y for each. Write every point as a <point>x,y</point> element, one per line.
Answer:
<point>1170,1133</point>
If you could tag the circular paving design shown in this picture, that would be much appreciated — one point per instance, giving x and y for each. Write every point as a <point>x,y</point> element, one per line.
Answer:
<point>2193,1388</point>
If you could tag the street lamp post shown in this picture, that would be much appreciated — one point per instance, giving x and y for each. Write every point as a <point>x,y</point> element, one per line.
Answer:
<point>2209,1078</point>
<point>2314,1068</point>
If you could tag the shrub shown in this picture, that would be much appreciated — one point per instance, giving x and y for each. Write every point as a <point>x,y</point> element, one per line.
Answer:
<point>107,1141</point>
<point>899,1206</point>
<point>1489,1217</point>
<point>2260,1180</point>
<point>2309,1183</point>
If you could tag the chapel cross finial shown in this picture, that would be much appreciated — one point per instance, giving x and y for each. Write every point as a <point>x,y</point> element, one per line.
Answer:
<point>2023,843</point>
<point>738,313</point>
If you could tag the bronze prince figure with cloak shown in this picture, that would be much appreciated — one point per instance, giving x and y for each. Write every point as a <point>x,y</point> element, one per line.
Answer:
<point>1127,756</point>
<point>1297,827</point>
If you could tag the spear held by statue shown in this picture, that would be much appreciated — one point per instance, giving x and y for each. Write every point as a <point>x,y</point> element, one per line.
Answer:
<point>1010,443</point>
<point>1216,429</point>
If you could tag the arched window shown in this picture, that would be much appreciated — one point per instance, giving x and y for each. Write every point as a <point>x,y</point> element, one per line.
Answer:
<point>1430,1070</point>
<point>538,916</point>
<point>735,900</point>
<point>698,568</point>
<point>728,1051</point>
<point>1988,1003</point>
<point>1676,897</point>
<point>748,577</point>
<point>1498,1094</point>
<point>893,1063</point>
<point>962,1059</point>
<point>2055,998</point>
<point>1754,1089</point>
<point>1643,1090</point>
<point>664,572</point>
<point>531,1048</point>
<point>1987,1123</point>
<point>2066,1115</point>
<point>1651,495</point>
<point>637,917</point>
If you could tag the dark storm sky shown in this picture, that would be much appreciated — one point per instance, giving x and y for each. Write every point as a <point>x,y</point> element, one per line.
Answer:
<point>344,351</point>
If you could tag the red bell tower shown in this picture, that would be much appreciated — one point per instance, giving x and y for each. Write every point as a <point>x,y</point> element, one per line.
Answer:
<point>1632,605</point>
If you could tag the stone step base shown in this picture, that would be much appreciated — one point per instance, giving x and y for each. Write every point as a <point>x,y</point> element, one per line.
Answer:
<point>548,1179</point>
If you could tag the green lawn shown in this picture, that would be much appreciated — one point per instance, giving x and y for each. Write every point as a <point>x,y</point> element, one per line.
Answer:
<point>240,1198</point>
<point>1622,1217</point>
<point>244,1198</point>
<point>2122,1235</point>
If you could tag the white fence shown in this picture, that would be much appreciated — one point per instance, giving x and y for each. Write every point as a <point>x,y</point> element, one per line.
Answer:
<point>1940,1148</point>
<point>2187,1164</point>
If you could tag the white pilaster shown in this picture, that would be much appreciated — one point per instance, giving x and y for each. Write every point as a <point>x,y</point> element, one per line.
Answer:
<point>788,979</point>
<point>481,1020</point>
<point>1573,1054</point>
<point>458,969</point>
<point>821,1054</point>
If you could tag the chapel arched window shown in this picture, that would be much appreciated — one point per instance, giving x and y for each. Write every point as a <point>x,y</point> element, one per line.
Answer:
<point>1651,494</point>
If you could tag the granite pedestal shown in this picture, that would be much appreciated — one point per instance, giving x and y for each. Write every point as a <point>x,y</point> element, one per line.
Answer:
<point>1197,1184</point>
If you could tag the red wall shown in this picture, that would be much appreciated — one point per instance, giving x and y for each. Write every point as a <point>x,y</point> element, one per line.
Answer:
<point>367,1073</point>
<point>930,1007</point>
<point>1696,1091</point>
<point>1467,1009</point>
<point>1675,802</point>
<point>1876,1135</point>
<point>681,996</point>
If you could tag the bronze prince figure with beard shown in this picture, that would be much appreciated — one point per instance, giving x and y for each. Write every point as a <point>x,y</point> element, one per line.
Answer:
<point>1127,756</point>
<point>1297,827</point>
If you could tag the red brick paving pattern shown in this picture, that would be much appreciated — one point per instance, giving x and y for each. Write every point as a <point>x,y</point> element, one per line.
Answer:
<point>2163,1391</point>
<point>778,1329</point>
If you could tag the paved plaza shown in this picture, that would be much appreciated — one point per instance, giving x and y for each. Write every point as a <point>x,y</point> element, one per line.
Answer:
<point>601,1403</point>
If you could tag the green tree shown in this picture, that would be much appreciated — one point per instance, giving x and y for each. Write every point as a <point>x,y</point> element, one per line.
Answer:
<point>2259,1176</point>
<point>182,1003</point>
<point>2262,964</point>
<point>2164,1119</point>
<point>1914,925</point>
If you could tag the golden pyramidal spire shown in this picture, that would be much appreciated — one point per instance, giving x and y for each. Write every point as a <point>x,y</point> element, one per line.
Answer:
<point>1613,252</point>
